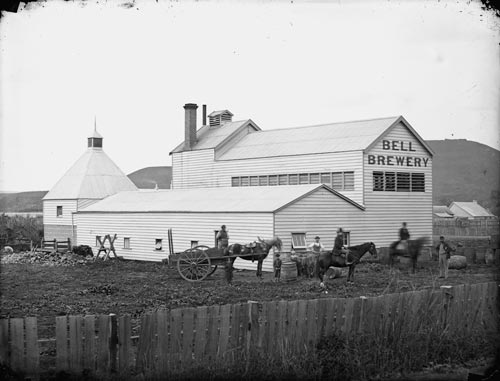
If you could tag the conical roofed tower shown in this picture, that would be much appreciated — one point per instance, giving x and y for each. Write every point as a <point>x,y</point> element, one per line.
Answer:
<point>91,178</point>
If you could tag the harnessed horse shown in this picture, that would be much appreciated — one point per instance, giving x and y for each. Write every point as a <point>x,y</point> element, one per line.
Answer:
<point>257,251</point>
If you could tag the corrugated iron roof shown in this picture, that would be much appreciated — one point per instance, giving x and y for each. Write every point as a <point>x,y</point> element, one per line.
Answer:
<point>332,137</point>
<point>210,137</point>
<point>473,208</point>
<point>94,175</point>
<point>224,200</point>
<point>441,209</point>
<point>443,215</point>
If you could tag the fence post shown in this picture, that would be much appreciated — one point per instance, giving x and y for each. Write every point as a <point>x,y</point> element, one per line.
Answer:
<point>447,296</point>
<point>252,334</point>
<point>55,244</point>
<point>69,244</point>
<point>113,344</point>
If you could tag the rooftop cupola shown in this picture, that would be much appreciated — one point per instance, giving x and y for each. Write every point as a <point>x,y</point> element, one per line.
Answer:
<point>218,118</point>
<point>95,140</point>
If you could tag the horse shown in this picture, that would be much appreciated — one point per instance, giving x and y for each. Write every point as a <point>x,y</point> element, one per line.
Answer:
<point>414,249</point>
<point>256,251</point>
<point>327,259</point>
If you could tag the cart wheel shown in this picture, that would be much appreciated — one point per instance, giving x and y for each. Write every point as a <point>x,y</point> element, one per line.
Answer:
<point>194,264</point>
<point>205,248</point>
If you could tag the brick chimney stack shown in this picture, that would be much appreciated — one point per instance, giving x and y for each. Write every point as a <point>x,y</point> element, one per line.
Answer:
<point>190,125</point>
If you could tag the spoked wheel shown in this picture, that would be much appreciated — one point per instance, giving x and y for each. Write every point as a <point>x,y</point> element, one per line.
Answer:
<point>194,264</point>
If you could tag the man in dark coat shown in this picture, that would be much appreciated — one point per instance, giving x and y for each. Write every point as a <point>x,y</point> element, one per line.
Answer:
<point>222,238</point>
<point>444,252</point>
<point>338,246</point>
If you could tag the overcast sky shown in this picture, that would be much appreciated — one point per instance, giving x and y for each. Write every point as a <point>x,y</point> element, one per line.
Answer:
<point>280,63</point>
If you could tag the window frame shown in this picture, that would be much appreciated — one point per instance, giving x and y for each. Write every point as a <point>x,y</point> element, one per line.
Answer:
<point>126,243</point>
<point>300,234</point>
<point>59,211</point>
<point>160,241</point>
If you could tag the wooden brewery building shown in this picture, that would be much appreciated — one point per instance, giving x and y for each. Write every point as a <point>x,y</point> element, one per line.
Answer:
<point>364,176</point>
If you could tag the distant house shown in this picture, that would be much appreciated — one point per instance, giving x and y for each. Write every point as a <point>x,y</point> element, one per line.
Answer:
<point>471,210</point>
<point>442,211</point>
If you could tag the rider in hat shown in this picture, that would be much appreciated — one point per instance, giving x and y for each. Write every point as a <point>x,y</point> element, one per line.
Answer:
<point>338,246</point>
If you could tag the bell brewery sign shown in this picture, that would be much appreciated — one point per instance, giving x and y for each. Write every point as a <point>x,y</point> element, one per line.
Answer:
<point>398,160</point>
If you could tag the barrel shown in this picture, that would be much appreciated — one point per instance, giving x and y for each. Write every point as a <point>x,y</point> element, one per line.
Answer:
<point>288,271</point>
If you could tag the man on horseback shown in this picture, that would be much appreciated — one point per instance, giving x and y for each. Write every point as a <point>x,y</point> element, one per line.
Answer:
<point>404,236</point>
<point>338,246</point>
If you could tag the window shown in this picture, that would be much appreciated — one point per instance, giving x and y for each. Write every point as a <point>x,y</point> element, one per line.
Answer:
<point>263,180</point>
<point>346,237</point>
<point>402,181</point>
<point>254,181</point>
<point>158,244</point>
<point>378,181</point>
<point>59,211</point>
<point>283,179</point>
<point>194,244</point>
<point>418,182</point>
<point>304,178</point>
<point>326,178</point>
<point>273,180</point>
<point>244,181</point>
<point>299,241</point>
<point>337,178</point>
<point>390,181</point>
<point>314,178</point>
<point>293,179</point>
<point>398,181</point>
<point>126,242</point>
<point>348,181</point>
<point>235,181</point>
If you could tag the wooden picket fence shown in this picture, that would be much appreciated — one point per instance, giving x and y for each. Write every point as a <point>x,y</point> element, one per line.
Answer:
<point>181,339</point>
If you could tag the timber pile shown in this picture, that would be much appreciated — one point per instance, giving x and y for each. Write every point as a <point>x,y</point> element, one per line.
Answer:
<point>46,259</point>
<point>457,262</point>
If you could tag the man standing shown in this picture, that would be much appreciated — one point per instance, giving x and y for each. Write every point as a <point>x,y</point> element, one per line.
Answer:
<point>316,247</point>
<point>222,238</point>
<point>443,249</point>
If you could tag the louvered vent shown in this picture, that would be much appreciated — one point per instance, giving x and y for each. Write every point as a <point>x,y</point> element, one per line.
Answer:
<point>217,118</point>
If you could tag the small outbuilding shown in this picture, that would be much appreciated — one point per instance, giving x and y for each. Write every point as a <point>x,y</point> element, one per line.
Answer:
<point>141,219</point>
<point>471,210</point>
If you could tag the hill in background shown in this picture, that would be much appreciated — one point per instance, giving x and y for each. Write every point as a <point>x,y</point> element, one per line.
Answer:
<point>465,171</point>
<point>22,201</point>
<point>148,178</point>
<point>462,171</point>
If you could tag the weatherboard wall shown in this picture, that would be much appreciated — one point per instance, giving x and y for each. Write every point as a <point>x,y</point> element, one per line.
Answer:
<point>58,227</point>
<point>193,169</point>
<point>320,213</point>
<point>385,211</point>
<point>144,228</point>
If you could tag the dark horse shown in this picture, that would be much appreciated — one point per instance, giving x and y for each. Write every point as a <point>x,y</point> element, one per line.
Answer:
<point>414,249</point>
<point>256,251</point>
<point>327,259</point>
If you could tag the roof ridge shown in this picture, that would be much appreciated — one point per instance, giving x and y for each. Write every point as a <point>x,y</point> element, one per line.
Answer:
<point>332,123</point>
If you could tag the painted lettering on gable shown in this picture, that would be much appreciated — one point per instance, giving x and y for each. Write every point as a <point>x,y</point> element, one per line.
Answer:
<point>394,160</point>
<point>398,160</point>
<point>397,145</point>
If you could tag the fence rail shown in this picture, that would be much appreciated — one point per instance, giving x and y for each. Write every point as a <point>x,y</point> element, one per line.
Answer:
<point>170,340</point>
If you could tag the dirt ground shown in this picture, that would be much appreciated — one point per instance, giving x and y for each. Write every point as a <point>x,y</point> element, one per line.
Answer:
<point>130,287</point>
